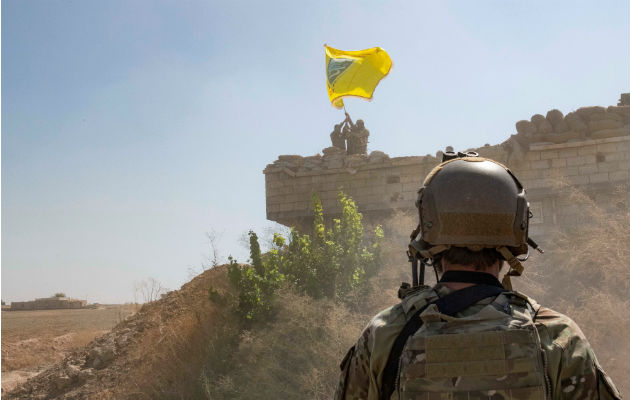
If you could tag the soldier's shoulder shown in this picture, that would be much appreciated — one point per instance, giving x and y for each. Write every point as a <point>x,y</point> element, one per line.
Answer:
<point>557,328</point>
<point>387,316</point>
<point>395,317</point>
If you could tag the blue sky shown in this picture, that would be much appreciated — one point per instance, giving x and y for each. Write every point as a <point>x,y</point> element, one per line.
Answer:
<point>130,129</point>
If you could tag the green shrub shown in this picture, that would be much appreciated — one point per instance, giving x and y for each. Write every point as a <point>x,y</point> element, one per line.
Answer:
<point>335,260</point>
<point>327,263</point>
<point>256,283</point>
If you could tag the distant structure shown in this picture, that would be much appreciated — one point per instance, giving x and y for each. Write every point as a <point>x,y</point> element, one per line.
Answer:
<point>588,149</point>
<point>48,303</point>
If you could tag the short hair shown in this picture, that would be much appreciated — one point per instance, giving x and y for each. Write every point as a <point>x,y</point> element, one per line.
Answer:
<point>480,260</point>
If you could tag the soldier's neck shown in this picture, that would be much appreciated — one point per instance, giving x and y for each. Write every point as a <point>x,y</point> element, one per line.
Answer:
<point>446,266</point>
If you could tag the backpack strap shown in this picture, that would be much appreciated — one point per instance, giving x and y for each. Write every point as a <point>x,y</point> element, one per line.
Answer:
<point>450,304</point>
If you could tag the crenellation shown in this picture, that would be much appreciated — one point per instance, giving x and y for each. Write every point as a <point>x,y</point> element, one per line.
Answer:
<point>588,148</point>
<point>610,133</point>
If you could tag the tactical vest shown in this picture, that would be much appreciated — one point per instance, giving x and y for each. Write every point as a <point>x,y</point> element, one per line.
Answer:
<point>494,354</point>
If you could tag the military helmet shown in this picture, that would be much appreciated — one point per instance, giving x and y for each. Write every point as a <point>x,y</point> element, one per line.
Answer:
<point>473,202</point>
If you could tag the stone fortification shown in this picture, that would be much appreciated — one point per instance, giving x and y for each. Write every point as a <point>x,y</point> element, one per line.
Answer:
<point>48,303</point>
<point>587,148</point>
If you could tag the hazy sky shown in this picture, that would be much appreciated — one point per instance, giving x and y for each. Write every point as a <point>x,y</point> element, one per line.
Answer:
<point>132,128</point>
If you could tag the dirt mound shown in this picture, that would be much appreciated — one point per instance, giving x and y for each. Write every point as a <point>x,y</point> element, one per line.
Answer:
<point>24,354</point>
<point>154,353</point>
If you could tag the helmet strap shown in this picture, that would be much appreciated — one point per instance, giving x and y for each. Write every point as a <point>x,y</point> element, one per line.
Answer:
<point>516,268</point>
<point>433,251</point>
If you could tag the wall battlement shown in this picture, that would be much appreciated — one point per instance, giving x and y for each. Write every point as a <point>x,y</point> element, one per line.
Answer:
<point>588,148</point>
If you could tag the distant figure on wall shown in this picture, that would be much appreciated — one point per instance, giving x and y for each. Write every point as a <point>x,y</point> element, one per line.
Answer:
<point>338,138</point>
<point>357,136</point>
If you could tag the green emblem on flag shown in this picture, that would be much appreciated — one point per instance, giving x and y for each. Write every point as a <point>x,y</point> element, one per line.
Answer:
<point>336,67</point>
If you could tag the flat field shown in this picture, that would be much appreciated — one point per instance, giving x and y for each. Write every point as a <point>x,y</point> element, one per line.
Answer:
<point>33,340</point>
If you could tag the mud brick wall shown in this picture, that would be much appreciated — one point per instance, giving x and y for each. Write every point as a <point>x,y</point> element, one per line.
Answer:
<point>588,149</point>
<point>52,303</point>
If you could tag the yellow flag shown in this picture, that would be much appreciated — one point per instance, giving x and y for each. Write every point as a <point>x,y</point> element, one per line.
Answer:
<point>354,73</point>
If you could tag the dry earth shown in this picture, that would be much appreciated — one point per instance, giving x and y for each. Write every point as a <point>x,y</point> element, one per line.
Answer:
<point>188,346</point>
<point>34,340</point>
<point>148,355</point>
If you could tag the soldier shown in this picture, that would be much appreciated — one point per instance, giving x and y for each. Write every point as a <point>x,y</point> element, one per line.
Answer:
<point>357,136</point>
<point>471,336</point>
<point>347,132</point>
<point>338,138</point>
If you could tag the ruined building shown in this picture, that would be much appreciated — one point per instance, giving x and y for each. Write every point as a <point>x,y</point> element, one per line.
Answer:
<point>587,148</point>
<point>48,303</point>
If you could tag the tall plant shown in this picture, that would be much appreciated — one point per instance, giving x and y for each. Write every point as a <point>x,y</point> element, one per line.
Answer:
<point>257,282</point>
<point>325,263</point>
<point>337,259</point>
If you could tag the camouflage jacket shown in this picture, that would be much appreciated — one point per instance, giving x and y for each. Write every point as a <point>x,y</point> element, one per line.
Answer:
<point>572,370</point>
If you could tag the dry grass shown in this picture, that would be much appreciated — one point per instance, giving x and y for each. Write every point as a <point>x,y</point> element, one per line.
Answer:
<point>585,274</point>
<point>180,332</point>
<point>192,347</point>
<point>297,354</point>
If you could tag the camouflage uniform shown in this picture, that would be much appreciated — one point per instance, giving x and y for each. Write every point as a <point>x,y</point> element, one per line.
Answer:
<point>571,369</point>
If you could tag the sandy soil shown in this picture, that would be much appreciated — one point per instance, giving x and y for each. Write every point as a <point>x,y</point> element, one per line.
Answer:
<point>34,340</point>
<point>158,352</point>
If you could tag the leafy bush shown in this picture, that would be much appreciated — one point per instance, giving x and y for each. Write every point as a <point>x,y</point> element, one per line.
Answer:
<point>336,260</point>
<point>328,263</point>
<point>256,283</point>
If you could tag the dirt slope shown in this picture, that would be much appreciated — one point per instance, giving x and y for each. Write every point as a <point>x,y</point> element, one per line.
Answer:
<point>154,353</point>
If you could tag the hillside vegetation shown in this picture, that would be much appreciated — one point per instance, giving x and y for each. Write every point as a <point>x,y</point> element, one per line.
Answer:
<point>268,330</point>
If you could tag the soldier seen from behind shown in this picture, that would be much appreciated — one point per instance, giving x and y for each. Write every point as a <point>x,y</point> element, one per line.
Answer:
<point>338,138</point>
<point>356,135</point>
<point>471,336</point>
